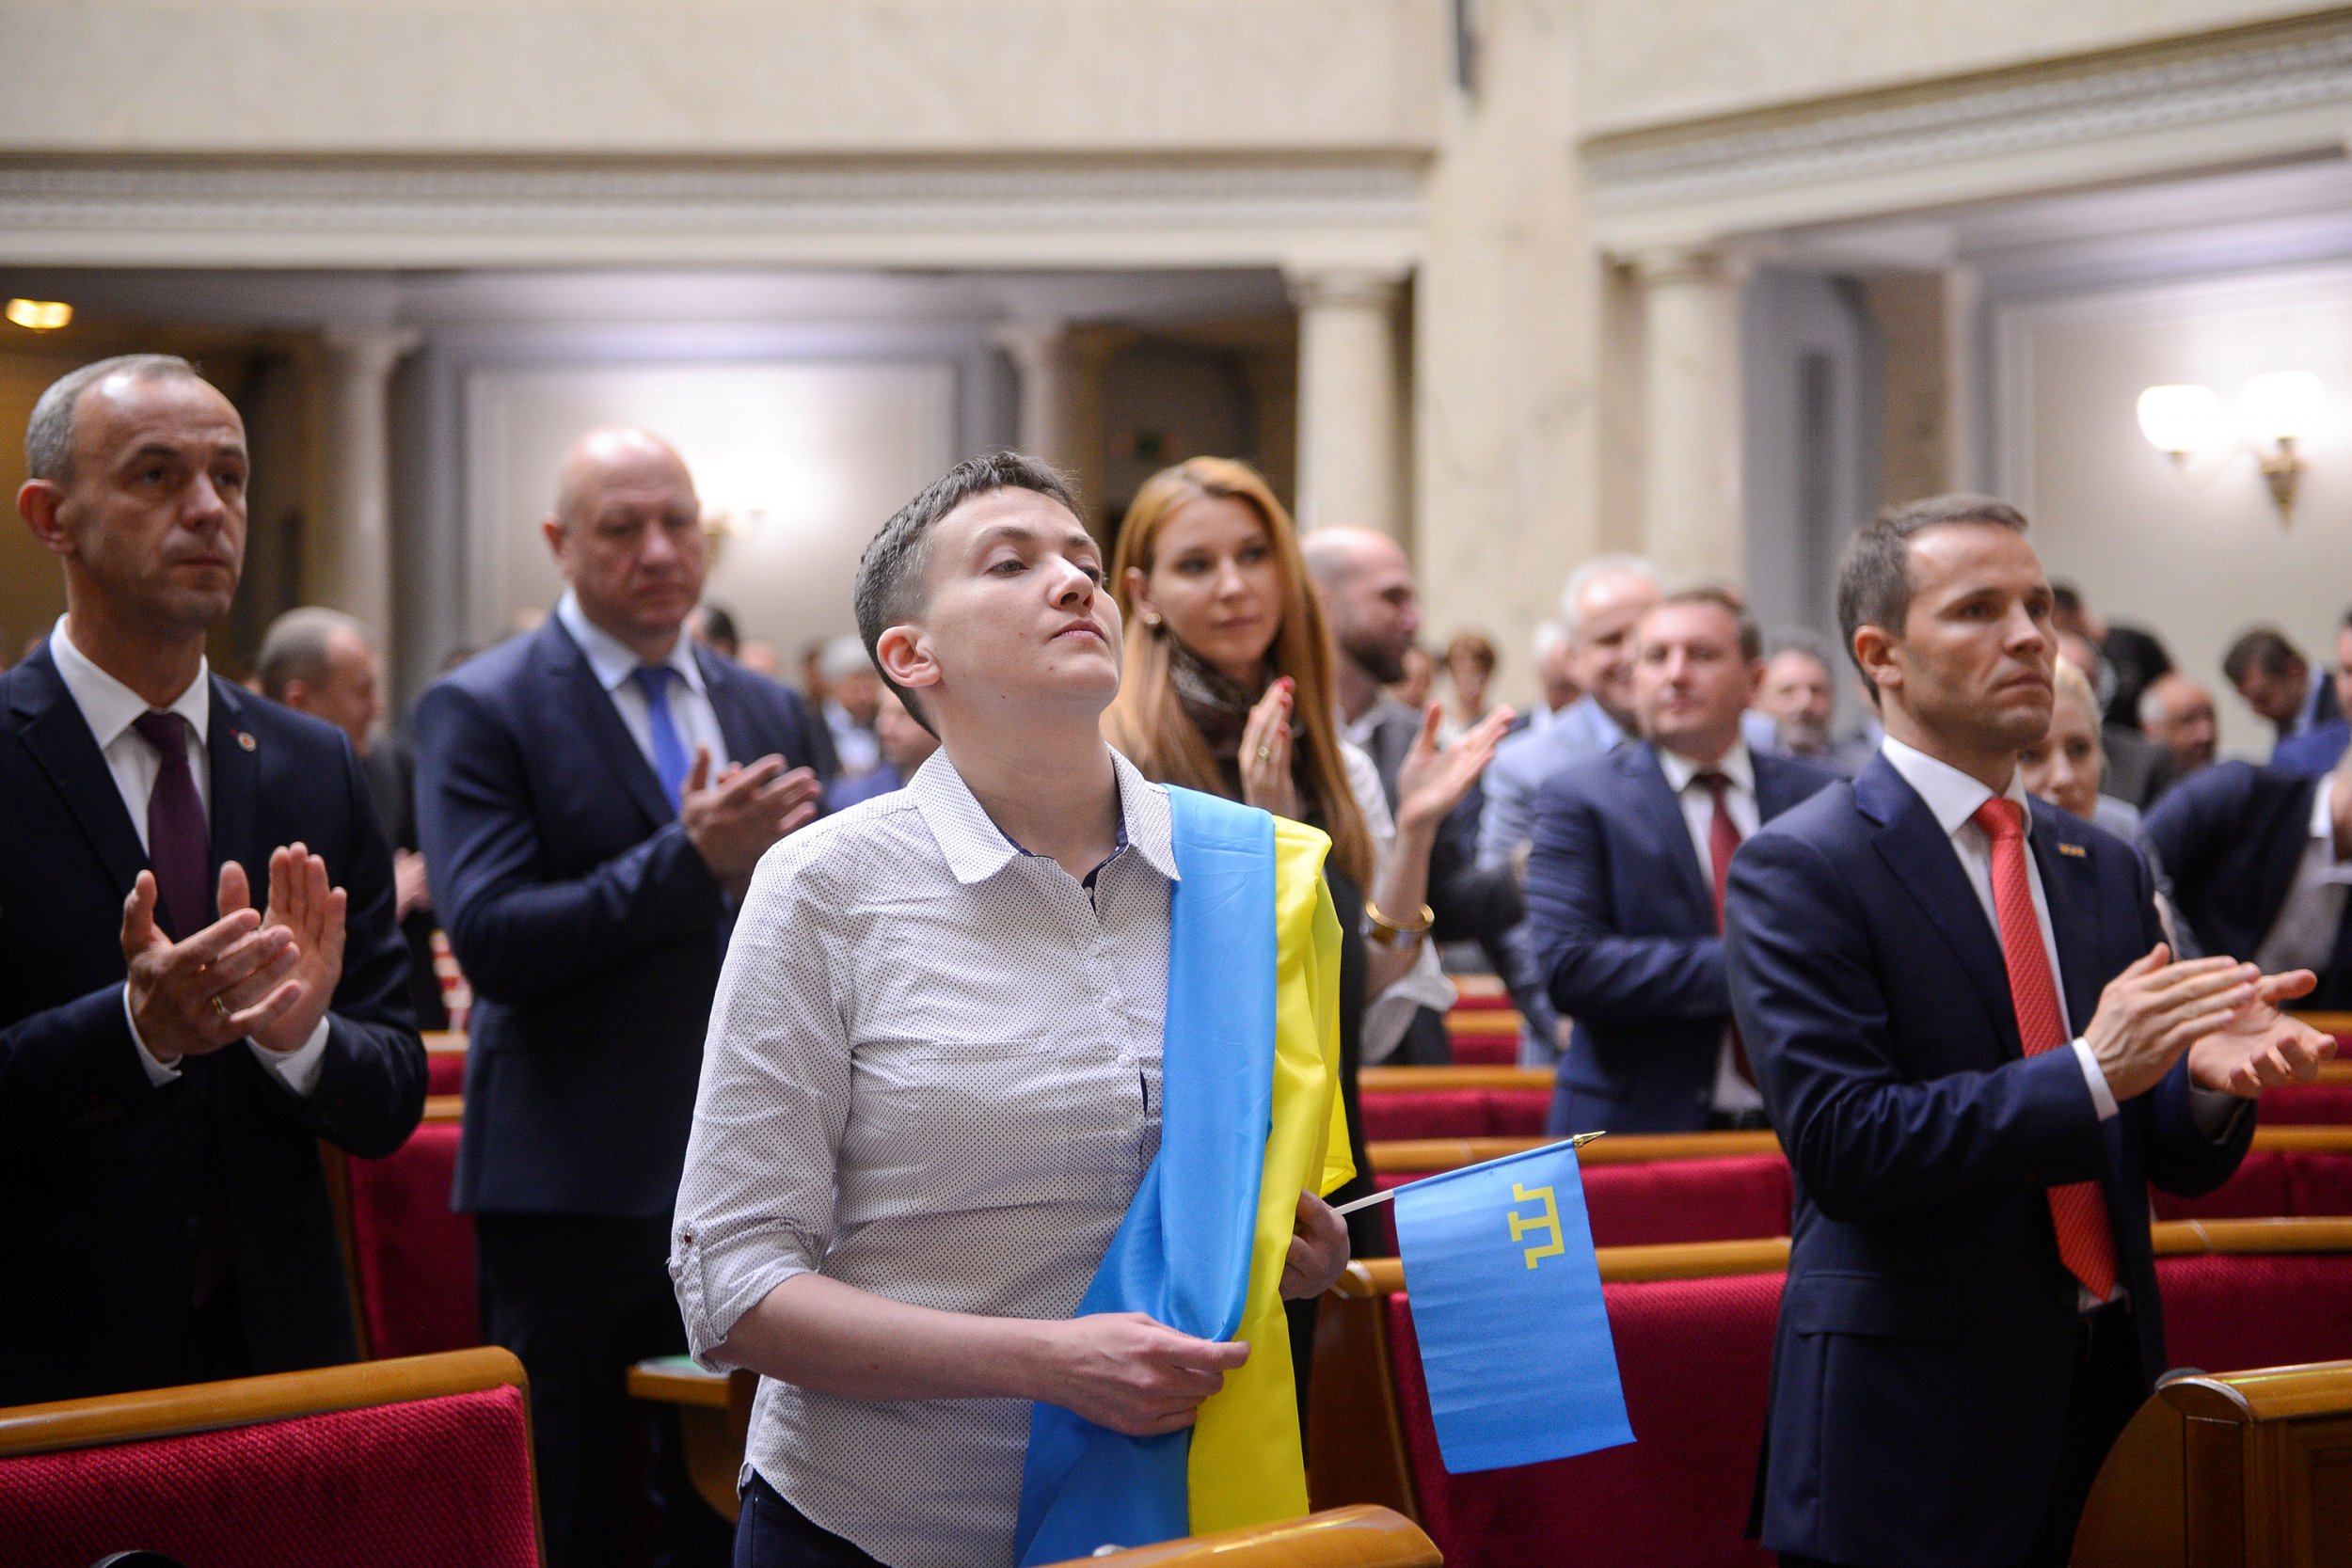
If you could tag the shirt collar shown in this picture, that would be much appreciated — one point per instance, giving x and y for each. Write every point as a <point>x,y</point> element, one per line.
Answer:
<point>109,708</point>
<point>1952,797</point>
<point>612,659</point>
<point>1735,764</point>
<point>976,848</point>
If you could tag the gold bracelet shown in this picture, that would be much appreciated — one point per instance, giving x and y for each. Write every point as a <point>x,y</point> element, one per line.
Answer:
<point>1388,933</point>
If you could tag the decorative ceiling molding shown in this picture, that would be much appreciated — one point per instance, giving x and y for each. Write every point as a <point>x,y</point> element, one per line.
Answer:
<point>583,211</point>
<point>2278,72</point>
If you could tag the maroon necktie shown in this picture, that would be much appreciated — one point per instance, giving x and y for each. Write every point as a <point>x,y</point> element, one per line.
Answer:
<point>179,846</point>
<point>1723,842</point>
<point>2078,1210</point>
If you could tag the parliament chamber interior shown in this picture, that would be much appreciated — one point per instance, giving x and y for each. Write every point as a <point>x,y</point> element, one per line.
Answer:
<point>561,362</point>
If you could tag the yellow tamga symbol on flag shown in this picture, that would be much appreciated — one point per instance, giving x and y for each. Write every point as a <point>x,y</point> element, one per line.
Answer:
<point>1548,1220</point>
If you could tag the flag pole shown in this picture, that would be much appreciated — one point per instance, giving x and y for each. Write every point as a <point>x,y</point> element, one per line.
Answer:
<point>1576,1142</point>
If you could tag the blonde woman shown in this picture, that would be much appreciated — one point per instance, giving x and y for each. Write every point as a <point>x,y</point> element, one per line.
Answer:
<point>1228,688</point>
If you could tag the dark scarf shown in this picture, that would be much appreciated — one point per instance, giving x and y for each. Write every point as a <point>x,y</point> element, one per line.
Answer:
<point>1219,706</point>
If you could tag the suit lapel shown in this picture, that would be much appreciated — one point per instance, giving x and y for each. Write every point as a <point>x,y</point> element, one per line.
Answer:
<point>596,718</point>
<point>236,761</point>
<point>2067,887</point>
<point>1915,849</point>
<point>1654,798</point>
<point>1775,787</point>
<point>2280,856</point>
<point>59,739</point>
<point>738,724</point>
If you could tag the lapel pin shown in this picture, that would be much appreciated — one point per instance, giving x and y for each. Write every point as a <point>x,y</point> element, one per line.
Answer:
<point>246,740</point>
<point>2076,851</point>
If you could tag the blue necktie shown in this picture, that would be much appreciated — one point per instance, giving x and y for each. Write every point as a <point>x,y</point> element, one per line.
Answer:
<point>669,751</point>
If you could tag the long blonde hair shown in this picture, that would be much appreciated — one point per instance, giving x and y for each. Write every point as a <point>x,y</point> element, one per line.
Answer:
<point>1148,720</point>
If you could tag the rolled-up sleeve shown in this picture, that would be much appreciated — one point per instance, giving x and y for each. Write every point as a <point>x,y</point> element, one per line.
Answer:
<point>755,1204</point>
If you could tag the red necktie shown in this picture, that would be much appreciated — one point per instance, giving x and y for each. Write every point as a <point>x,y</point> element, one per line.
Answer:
<point>2078,1210</point>
<point>1723,842</point>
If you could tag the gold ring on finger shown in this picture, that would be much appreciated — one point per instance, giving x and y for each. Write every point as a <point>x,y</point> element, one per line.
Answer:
<point>219,1006</point>
<point>1266,753</point>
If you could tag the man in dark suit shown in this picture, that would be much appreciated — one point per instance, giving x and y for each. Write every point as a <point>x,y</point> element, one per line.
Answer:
<point>588,836</point>
<point>170,1057</point>
<point>2319,747</point>
<point>319,661</point>
<point>2259,860</point>
<point>2279,684</point>
<point>1978,1054</point>
<point>1367,588</point>
<point>1625,884</point>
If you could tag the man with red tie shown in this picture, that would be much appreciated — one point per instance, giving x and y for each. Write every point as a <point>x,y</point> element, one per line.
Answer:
<point>1625,882</point>
<point>1978,1053</point>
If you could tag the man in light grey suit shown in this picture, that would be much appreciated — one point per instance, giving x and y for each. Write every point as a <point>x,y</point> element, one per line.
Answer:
<point>1604,599</point>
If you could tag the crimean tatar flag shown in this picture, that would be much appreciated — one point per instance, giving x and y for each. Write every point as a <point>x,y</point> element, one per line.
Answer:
<point>1515,1341</point>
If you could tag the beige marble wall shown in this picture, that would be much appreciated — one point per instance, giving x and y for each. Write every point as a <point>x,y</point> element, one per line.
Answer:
<point>1507,392</point>
<point>716,76</point>
<point>1647,62</point>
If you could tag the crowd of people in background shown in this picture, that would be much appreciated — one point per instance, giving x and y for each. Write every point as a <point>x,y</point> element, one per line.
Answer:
<point>572,820</point>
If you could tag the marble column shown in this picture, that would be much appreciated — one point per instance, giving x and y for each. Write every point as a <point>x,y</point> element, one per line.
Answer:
<point>1350,467</point>
<point>1041,355</point>
<point>1692,522</point>
<point>351,566</point>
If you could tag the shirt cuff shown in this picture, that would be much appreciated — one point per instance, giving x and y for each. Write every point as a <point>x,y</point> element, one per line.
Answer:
<point>2101,1095</point>
<point>158,1073</point>
<point>298,1069</point>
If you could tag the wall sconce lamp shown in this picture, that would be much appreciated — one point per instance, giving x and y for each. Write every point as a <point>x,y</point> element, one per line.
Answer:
<point>39,315</point>
<point>2276,410</point>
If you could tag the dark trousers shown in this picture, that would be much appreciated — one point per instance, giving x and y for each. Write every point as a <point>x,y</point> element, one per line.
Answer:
<point>2108,1391</point>
<point>771,1533</point>
<point>577,1298</point>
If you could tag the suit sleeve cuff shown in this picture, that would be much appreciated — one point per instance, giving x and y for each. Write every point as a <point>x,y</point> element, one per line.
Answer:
<point>2101,1095</point>
<point>298,1069</point>
<point>158,1073</point>
<point>2216,1114</point>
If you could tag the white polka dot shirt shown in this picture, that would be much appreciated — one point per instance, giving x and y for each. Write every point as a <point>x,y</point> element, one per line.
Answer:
<point>933,1074</point>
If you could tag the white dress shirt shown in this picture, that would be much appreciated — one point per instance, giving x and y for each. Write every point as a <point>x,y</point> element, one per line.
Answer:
<point>1952,798</point>
<point>1731,1092</point>
<point>932,1073</point>
<point>2303,933</point>
<point>1389,1015</point>
<point>110,708</point>
<point>613,662</point>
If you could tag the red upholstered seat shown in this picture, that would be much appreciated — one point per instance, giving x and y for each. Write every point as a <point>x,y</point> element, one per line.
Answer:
<point>1486,1050</point>
<point>2226,1313</point>
<point>1694,1355</point>
<point>415,1259</point>
<point>1479,1113</point>
<point>445,1072</point>
<point>2293,1183</point>
<point>2306,1105</point>
<point>2258,1188</point>
<point>440,1482</point>
<point>1688,1200</point>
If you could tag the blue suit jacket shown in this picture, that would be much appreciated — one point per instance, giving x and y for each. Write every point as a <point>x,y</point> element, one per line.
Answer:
<point>1623,920</point>
<point>2231,837</point>
<point>1927,1333</point>
<point>103,1174</point>
<point>2316,750</point>
<point>589,928</point>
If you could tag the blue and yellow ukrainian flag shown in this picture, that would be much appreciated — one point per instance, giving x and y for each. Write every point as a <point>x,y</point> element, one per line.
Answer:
<point>1250,1117</point>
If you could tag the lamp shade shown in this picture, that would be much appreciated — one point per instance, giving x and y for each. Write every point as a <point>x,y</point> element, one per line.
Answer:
<point>2279,406</point>
<point>2179,418</point>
